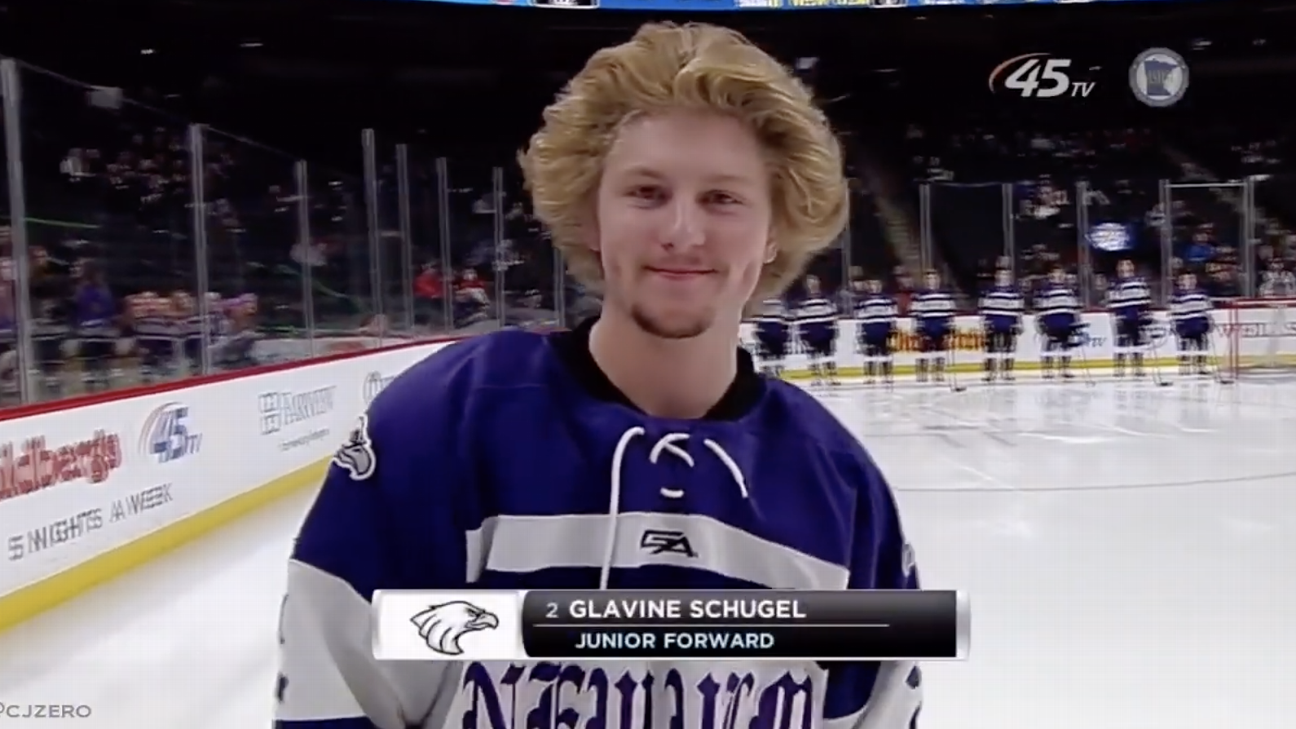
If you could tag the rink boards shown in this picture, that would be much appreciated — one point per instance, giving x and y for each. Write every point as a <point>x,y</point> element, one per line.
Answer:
<point>89,491</point>
<point>93,487</point>
<point>1254,327</point>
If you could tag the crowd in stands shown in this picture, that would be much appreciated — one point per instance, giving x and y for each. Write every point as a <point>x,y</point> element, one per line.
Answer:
<point>1027,201</point>
<point>114,258</point>
<point>116,252</point>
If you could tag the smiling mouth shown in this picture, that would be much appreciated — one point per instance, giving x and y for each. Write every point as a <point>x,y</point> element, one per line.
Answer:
<point>679,273</point>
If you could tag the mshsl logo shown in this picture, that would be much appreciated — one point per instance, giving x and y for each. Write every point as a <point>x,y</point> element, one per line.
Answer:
<point>573,695</point>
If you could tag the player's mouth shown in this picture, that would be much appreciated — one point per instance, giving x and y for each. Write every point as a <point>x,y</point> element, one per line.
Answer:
<point>680,274</point>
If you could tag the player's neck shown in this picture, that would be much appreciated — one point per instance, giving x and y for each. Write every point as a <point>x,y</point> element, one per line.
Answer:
<point>682,378</point>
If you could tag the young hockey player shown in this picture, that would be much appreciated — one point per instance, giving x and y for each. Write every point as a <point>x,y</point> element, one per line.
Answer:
<point>933,312</point>
<point>1129,301</point>
<point>816,322</point>
<point>877,314</point>
<point>1001,308</point>
<point>1190,310</point>
<point>1057,313</point>
<point>772,332</point>
<point>683,174</point>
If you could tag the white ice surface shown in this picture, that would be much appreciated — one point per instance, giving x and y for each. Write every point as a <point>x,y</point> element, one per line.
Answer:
<point>1129,551</point>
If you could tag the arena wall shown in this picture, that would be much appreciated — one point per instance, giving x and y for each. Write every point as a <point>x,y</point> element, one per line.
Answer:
<point>92,487</point>
<point>95,486</point>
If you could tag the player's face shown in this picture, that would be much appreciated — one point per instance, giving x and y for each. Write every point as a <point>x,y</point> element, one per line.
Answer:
<point>1125,269</point>
<point>1188,281</point>
<point>1003,278</point>
<point>1057,277</point>
<point>874,286</point>
<point>812,285</point>
<point>933,281</point>
<point>683,221</point>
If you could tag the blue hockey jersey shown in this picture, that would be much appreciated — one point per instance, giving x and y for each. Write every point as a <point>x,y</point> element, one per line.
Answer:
<point>509,461</point>
<point>1190,309</point>
<point>816,320</point>
<point>877,316</point>
<point>1129,298</point>
<point>1001,307</point>
<point>933,312</point>
<point>772,323</point>
<point>1057,308</point>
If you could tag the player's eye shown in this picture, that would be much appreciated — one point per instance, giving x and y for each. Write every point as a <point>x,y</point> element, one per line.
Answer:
<point>718,197</point>
<point>648,193</point>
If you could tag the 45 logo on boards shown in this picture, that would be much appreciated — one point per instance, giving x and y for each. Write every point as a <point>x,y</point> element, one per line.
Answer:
<point>167,434</point>
<point>1037,76</point>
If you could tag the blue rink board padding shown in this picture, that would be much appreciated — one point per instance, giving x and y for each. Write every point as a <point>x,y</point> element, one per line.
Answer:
<point>731,5</point>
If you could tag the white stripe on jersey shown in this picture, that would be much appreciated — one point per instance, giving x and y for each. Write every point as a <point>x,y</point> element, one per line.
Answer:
<point>816,311</point>
<point>533,543</point>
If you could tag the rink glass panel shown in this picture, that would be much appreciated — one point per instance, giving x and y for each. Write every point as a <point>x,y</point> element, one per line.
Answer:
<point>107,189</point>
<point>319,260</point>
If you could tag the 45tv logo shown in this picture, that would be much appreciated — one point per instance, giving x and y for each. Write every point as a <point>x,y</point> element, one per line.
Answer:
<point>167,434</point>
<point>1038,76</point>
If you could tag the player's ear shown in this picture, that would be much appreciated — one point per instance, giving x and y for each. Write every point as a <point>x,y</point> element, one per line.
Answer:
<point>771,249</point>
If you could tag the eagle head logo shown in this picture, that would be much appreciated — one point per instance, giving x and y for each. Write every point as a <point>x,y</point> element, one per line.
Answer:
<point>356,456</point>
<point>442,626</point>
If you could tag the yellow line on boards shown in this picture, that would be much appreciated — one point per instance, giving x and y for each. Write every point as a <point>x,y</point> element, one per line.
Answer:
<point>38,597</point>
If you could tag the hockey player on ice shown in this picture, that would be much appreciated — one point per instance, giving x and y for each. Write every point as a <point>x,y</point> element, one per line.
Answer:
<point>1190,311</point>
<point>773,329</point>
<point>933,313</point>
<point>684,174</point>
<point>1001,311</point>
<point>1057,313</point>
<point>816,322</point>
<point>876,314</point>
<point>1129,301</point>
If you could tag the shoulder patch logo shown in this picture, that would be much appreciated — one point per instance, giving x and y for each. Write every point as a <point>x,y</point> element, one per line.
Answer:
<point>356,456</point>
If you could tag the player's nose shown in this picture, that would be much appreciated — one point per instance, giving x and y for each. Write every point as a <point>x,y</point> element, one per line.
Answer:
<point>685,224</point>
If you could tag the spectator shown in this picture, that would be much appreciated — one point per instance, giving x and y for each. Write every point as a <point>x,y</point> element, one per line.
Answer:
<point>429,294</point>
<point>471,303</point>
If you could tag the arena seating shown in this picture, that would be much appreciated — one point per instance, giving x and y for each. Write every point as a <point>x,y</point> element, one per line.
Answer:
<point>110,206</point>
<point>1016,187</point>
<point>109,195</point>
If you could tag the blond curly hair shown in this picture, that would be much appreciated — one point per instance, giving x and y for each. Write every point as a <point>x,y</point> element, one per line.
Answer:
<point>695,67</point>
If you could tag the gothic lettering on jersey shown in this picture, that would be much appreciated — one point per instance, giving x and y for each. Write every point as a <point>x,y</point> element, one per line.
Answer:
<point>551,695</point>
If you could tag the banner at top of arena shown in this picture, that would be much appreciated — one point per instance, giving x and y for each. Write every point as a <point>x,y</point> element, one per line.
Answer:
<point>730,5</point>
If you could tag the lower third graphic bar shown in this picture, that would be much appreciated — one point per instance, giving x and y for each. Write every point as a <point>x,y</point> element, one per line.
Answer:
<point>753,625</point>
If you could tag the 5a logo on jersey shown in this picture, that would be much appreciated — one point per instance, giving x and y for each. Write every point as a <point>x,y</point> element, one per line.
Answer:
<point>1037,76</point>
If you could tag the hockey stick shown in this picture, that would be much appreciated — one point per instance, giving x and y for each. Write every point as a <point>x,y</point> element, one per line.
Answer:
<point>1216,371</point>
<point>1157,377</point>
<point>954,385</point>
<point>1041,346</point>
<point>1084,359</point>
